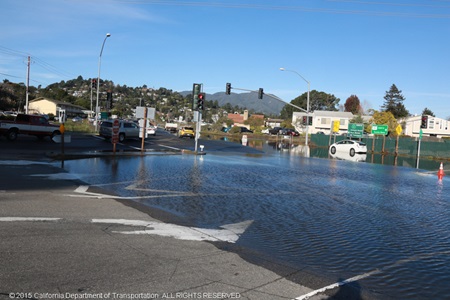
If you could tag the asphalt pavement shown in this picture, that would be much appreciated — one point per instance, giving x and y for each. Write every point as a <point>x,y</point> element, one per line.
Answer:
<point>53,246</point>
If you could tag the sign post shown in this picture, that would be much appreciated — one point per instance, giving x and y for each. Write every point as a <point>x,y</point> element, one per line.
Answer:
<point>379,130</point>
<point>115,135</point>
<point>144,130</point>
<point>418,148</point>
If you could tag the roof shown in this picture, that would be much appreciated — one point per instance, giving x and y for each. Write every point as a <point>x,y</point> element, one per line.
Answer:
<point>325,113</point>
<point>57,102</point>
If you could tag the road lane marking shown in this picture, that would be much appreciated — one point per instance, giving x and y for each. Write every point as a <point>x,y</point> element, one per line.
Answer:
<point>373,272</point>
<point>228,233</point>
<point>338,284</point>
<point>169,147</point>
<point>28,219</point>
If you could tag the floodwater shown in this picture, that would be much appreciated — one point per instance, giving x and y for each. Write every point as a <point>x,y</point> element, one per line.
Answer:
<point>333,218</point>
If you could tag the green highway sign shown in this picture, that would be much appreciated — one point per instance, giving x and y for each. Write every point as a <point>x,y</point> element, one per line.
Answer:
<point>380,129</point>
<point>355,130</point>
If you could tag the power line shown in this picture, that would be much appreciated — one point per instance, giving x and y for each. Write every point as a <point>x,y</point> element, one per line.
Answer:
<point>37,60</point>
<point>302,8</point>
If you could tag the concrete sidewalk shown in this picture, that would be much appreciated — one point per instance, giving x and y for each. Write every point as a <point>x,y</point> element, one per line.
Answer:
<point>63,254</point>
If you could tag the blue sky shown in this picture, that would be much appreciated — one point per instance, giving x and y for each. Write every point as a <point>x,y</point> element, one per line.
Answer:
<point>344,48</point>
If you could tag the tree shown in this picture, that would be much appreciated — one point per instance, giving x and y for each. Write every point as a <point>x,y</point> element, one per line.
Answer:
<point>383,118</point>
<point>428,112</point>
<point>317,101</point>
<point>394,103</point>
<point>352,104</point>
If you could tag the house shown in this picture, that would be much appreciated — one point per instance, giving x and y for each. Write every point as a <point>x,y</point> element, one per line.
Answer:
<point>321,121</point>
<point>273,122</point>
<point>430,126</point>
<point>49,106</point>
<point>239,119</point>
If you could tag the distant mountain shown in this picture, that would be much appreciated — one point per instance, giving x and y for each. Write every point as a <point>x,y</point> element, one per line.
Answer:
<point>267,105</point>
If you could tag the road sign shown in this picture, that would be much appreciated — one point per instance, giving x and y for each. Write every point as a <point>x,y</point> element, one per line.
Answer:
<point>336,125</point>
<point>115,127</point>
<point>355,130</point>
<point>380,129</point>
<point>399,129</point>
<point>115,130</point>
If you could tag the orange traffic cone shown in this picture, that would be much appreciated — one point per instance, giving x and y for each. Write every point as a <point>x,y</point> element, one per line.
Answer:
<point>441,172</point>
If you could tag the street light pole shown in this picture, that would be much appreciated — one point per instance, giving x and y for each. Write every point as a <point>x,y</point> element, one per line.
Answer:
<point>98,81</point>
<point>307,102</point>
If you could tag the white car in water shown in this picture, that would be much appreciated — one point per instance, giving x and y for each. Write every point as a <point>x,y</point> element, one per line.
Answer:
<point>348,146</point>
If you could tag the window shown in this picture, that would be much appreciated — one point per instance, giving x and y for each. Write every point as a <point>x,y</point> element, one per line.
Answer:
<point>325,121</point>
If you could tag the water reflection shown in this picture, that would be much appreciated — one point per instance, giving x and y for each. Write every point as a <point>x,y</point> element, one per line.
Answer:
<point>346,156</point>
<point>291,146</point>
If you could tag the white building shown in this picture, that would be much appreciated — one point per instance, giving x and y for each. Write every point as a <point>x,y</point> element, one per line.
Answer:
<point>322,121</point>
<point>434,126</point>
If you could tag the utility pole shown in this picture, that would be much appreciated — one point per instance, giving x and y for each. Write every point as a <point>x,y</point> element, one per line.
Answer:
<point>28,84</point>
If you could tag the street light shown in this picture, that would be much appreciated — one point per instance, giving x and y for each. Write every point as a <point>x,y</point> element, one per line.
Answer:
<point>307,102</point>
<point>98,81</point>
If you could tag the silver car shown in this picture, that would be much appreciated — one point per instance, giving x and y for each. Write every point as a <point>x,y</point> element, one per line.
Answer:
<point>126,130</point>
<point>349,146</point>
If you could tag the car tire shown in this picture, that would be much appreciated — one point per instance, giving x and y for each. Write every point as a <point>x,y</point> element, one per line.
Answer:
<point>333,150</point>
<point>121,137</point>
<point>352,152</point>
<point>11,135</point>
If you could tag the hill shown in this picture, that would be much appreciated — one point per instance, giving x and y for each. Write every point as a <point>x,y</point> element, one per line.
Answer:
<point>267,105</point>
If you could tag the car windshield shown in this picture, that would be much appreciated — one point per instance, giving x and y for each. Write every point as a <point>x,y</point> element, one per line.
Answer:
<point>188,128</point>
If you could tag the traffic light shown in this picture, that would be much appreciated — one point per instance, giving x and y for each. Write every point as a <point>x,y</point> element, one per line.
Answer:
<point>228,89</point>
<point>260,93</point>
<point>94,83</point>
<point>196,88</point>
<point>310,120</point>
<point>304,120</point>
<point>201,101</point>
<point>424,123</point>
<point>109,99</point>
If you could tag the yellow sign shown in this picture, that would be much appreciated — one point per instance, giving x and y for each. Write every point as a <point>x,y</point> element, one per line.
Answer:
<point>398,130</point>
<point>61,128</point>
<point>336,125</point>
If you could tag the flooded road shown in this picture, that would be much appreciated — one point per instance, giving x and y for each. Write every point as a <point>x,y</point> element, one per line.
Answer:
<point>336,219</point>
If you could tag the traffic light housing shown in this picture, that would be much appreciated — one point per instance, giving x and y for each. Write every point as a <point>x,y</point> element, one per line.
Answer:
<point>228,89</point>
<point>196,89</point>
<point>260,93</point>
<point>109,99</point>
<point>201,101</point>
<point>94,83</point>
<point>424,123</point>
<point>310,119</point>
<point>304,120</point>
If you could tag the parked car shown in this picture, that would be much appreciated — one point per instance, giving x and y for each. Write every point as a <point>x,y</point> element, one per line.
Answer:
<point>126,130</point>
<point>349,146</point>
<point>28,124</point>
<point>245,130</point>
<point>186,132</point>
<point>151,130</point>
<point>289,131</point>
<point>276,130</point>
<point>77,119</point>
